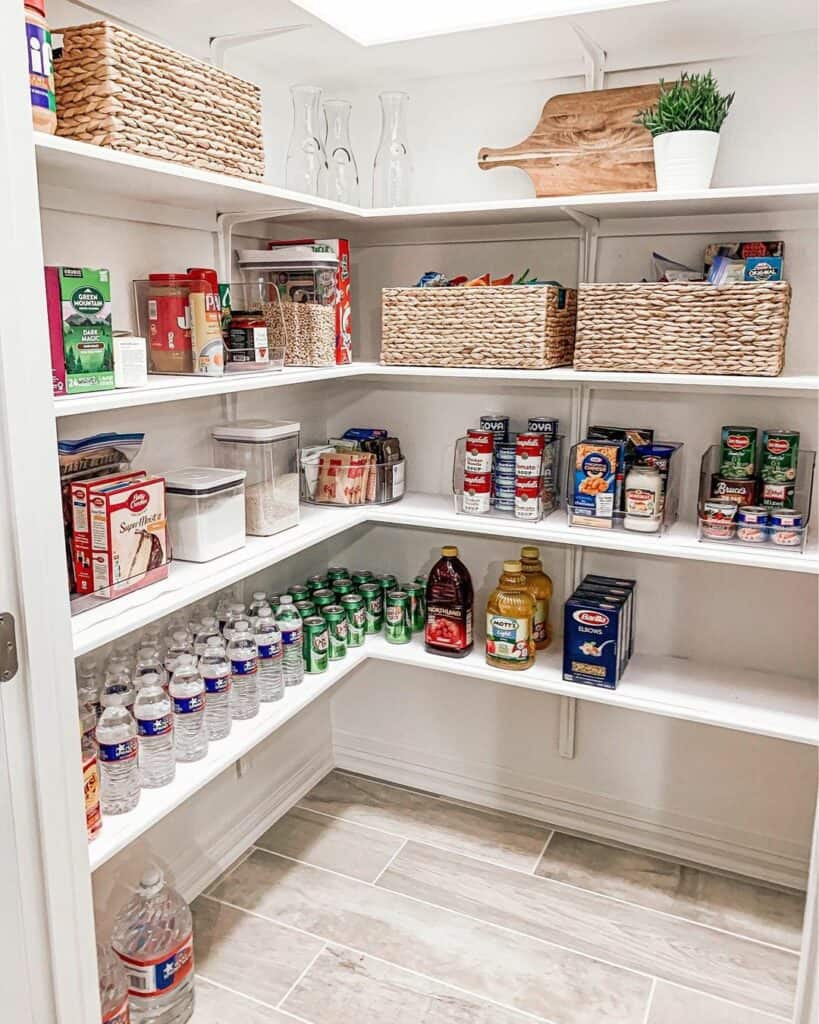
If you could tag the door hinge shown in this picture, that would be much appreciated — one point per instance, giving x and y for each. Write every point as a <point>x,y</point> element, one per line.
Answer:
<point>8,648</point>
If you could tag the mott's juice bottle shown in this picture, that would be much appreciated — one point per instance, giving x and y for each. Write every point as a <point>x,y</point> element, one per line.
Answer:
<point>449,600</point>
<point>540,587</point>
<point>510,615</point>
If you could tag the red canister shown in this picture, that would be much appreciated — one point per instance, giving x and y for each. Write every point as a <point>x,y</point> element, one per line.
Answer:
<point>169,322</point>
<point>477,492</point>
<point>480,444</point>
<point>529,455</point>
<point>528,498</point>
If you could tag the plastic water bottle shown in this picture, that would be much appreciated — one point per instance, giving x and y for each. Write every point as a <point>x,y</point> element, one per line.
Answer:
<point>152,637</point>
<point>117,744</point>
<point>113,987</point>
<point>244,670</point>
<point>148,664</point>
<point>269,645</point>
<point>116,667</point>
<point>187,690</point>
<point>180,644</point>
<point>259,599</point>
<point>236,613</point>
<point>153,937</point>
<point>90,774</point>
<point>222,610</point>
<point>214,668</point>
<point>289,621</point>
<point>152,711</point>
<point>208,630</point>
<point>119,683</point>
<point>88,693</point>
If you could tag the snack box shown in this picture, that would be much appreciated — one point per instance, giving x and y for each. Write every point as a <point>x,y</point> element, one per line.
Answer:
<point>78,300</point>
<point>592,642</point>
<point>763,268</point>
<point>365,434</point>
<point>594,490</point>
<point>119,533</point>
<point>343,303</point>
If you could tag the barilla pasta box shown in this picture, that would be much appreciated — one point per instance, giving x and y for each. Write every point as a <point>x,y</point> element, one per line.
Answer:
<point>622,584</point>
<point>591,642</point>
<point>79,325</point>
<point>596,468</point>
<point>119,537</point>
<point>612,595</point>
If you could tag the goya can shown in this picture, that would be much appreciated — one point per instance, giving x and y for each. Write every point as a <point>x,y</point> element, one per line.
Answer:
<point>315,645</point>
<point>343,586</point>
<point>337,572</point>
<point>322,598</point>
<point>542,425</point>
<point>497,424</point>
<point>305,608</point>
<point>298,592</point>
<point>359,576</point>
<point>317,583</point>
<point>738,455</point>
<point>373,607</point>
<point>780,455</point>
<point>388,582</point>
<point>336,619</point>
<point>353,605</point>
<point>416,596</point>
<point>397,616</point>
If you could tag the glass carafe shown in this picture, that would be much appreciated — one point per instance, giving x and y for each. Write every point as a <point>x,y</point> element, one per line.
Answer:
<point>306,167</point>
<point>342,169</point>
<point>392,170</point>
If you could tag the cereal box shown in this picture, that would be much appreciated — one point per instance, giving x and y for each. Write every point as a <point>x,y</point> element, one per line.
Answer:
<point>595,483</point>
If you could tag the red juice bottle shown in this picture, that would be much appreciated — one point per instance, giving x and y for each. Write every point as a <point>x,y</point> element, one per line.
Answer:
<point>449,601</point>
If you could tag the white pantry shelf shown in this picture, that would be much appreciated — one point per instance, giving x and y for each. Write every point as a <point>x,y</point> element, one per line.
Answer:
<point>743,700</point>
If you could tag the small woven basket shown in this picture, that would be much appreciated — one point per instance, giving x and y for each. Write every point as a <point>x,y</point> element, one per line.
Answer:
<point>524,327</point>
<point>683,328</point>
<point>117,89</point>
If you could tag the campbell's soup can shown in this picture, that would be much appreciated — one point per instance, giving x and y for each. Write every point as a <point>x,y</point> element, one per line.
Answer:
<point>496,424</point>
<point>480,446</point>
<point>529,455</point>
<point>528,499</point>
<point>477,492</point>
<point>542,425</point>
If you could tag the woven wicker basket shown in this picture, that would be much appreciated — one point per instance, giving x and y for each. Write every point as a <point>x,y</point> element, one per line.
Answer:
<point>117,89</point>
<point>683,328</point>
<point>526,327</point>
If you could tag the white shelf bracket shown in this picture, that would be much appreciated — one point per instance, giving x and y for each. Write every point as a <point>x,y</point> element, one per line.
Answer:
<point>587,264</point>
<point>226,222</point>
<point>594,59</point>
<point>568,720</point>
<point>219,45</point>
<point>573,573</point>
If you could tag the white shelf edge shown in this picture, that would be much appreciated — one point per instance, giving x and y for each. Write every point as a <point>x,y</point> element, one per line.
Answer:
<point>544,677</point>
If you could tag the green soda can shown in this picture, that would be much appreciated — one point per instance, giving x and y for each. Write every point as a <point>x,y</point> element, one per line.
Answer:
<point>316,583</point>
<point>336,619</point>
<point>343,586</point>
<point>373,607</point>
<point>422,583</point>
<point>337,572</point>
<point>416,596</point>
<point>359,576</point>
<point>397,616</point>
<point>315,644</point>
<point>305,608</point>
<point>321,598</point>
<point>298,592</point>
<point>388,582</point>
<point>353,605</point>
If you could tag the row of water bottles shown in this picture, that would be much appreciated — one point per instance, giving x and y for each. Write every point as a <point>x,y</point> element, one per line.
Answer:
<point>167,701</point>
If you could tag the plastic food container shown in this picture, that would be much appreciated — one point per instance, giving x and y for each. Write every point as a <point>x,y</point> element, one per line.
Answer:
<point>206,512</point>
<point>267,450</point>
<point>329,477</point>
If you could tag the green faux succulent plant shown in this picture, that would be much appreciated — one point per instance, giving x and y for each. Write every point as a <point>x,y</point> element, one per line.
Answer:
<point>694,103</point>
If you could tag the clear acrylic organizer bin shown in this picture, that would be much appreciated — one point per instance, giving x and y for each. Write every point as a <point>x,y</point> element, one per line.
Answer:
<point>345,479</point>
<point>468,503</point>
<point>787,540</point>
<point>669,464</point>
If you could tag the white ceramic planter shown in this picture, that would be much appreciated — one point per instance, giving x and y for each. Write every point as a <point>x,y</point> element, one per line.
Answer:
<point>684,161</point>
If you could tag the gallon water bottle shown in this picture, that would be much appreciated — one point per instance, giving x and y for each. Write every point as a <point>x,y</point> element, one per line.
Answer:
<point>117,743</point>
<point>269,645</point>
<point>208,629</point>
<point>244,670</point>
<point>187,691</point>
<point>289,622</point>
<point>153,937</point>
<point>148,664</point>
<point>152,711</point>
<point>259,599</point>
<point>236,613</point>
<point>214,668</point>
<point>179,643</point>
<point>113,987</point>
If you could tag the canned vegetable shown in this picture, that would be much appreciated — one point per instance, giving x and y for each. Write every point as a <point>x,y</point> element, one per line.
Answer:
<point>780,456</point>
<point>738,457</point>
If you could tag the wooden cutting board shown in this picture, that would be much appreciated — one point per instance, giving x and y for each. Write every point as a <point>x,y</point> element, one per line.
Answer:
<point>586,142</point>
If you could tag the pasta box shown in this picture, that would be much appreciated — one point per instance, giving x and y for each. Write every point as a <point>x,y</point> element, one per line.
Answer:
<point>613,595</point>
<point>592,639</point>
<point>592,579</point>
<point>119,533</point>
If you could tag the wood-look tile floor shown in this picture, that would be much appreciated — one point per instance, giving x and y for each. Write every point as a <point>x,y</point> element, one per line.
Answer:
<point>373,904</point>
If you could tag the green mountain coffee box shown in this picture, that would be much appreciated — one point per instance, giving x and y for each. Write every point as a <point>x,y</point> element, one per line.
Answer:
<point>79,323</point>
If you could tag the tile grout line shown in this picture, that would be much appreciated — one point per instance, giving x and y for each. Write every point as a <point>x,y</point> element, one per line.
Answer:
<point>377,878</point>
<point>652,990</point>
<point>545,879</point>
<point>730,1002</point>
<point>289,992</point>
<point>540,856</point>
<point>244,995</point>
<point>382,960</point>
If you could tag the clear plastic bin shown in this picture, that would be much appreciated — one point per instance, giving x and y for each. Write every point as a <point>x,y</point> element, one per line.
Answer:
<point>716,528</point>
<point>349,478</point>
<point>267,451</point>
<point>206,512</point>
<point>470,500</point>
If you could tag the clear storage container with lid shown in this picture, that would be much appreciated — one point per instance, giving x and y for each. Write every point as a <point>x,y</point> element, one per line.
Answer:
<point>267,451</point>
<point>206,512</point>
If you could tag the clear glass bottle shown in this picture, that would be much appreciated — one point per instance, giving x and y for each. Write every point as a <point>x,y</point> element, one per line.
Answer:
<point>152,711</point>
<point>113,987</point>
<point>306,166</point>
<point>153,937</point>
<point>90,774</point>
<point>540,587</point>
<point>342,169</point>
<point>117,745</point>
<point>392,168</point>
<point>187,693</point>
<point>244,669</point>
<point>214,668</point>
<point>510,615</point>
<point>269,646</point>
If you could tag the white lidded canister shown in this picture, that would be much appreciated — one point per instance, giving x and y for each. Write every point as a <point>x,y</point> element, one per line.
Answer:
<point>206,512</point>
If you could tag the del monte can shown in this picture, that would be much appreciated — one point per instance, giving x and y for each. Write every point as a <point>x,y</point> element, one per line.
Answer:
<point>780,455</point>
<point>738,455</point>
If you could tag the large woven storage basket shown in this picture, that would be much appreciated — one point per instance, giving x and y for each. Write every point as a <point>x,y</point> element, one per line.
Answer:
<point>528,326</point>
<point>117,89</point>
<point>683,328</point>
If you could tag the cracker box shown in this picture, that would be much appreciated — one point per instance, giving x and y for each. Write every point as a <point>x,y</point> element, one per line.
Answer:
<point>119,533</point>
<point>592,631</point>
<point>594,492</point>
<point>343,303</point>
<point>79,326</point>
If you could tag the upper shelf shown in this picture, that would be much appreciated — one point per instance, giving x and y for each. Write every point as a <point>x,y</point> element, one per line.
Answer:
<point>67,164</point>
